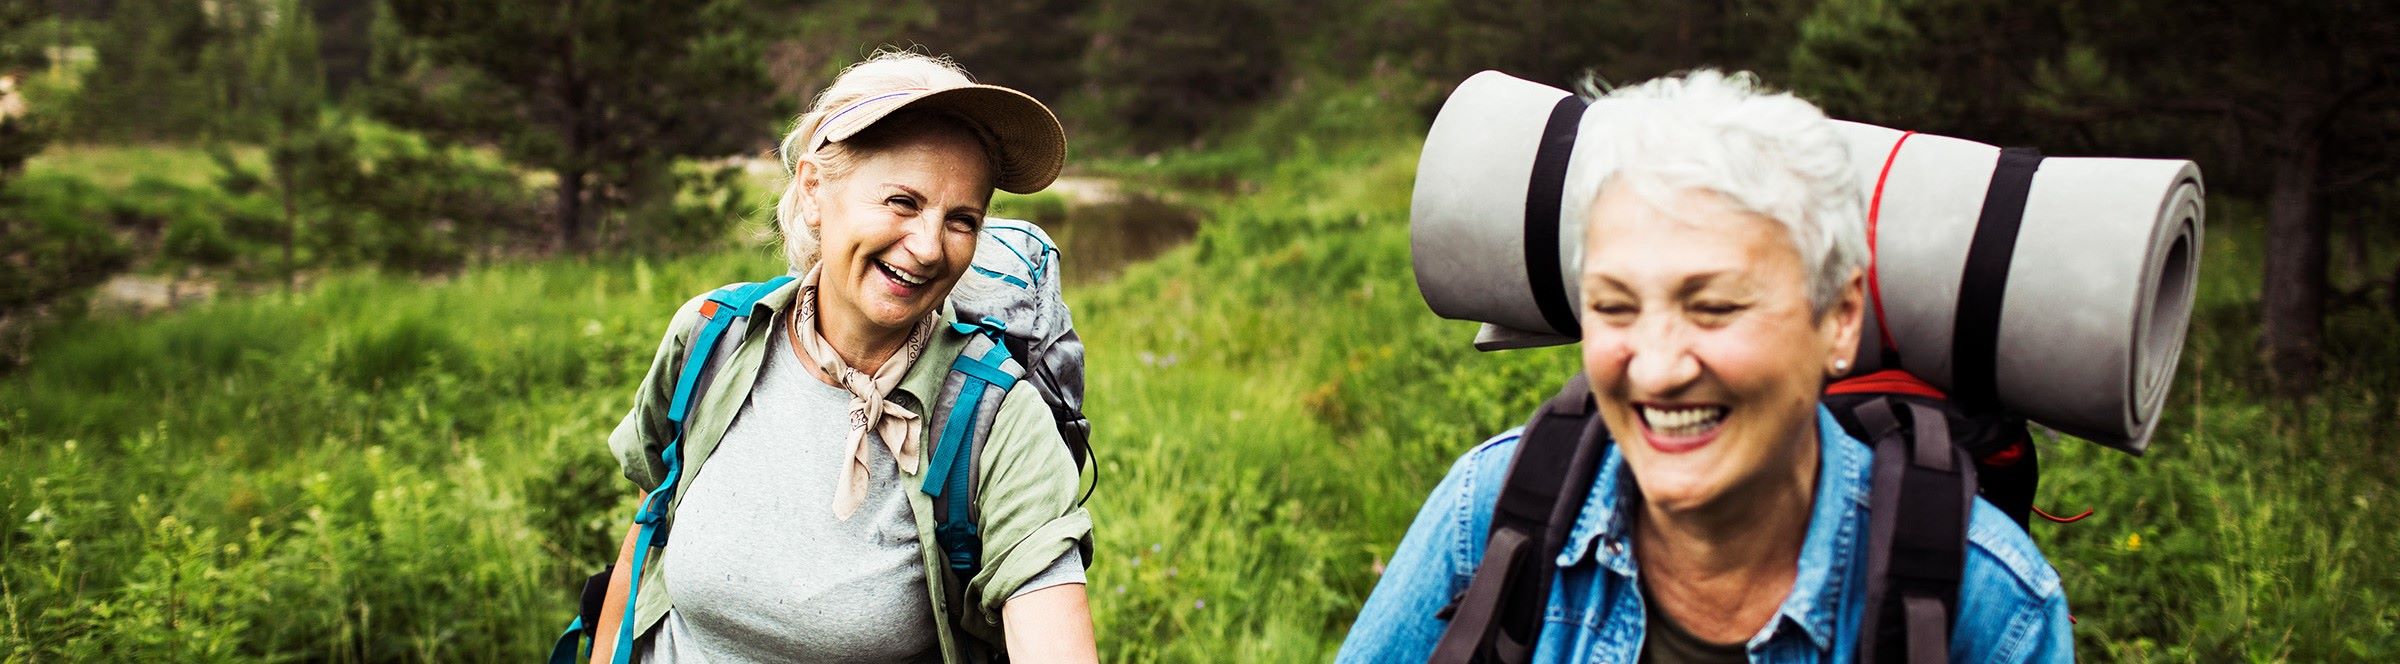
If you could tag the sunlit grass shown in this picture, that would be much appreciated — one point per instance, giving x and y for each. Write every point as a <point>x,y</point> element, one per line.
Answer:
<point>115,167</point>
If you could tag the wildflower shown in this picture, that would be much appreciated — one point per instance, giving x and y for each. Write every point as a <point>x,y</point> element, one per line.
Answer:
<point>1199,604</point>
<point>2133,542</point>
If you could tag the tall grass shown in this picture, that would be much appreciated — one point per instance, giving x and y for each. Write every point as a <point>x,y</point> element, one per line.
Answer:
<point>382,469</point>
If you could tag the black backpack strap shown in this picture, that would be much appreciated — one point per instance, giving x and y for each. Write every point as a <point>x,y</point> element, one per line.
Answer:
<point>1923,491</point>
<point>1499,616</point>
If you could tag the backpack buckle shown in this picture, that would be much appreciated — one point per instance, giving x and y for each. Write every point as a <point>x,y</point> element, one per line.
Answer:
<point>961,548</point>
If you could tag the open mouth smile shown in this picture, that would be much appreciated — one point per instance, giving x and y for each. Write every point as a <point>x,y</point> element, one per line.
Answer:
<point>1680,428</point>
<point>902,277</point>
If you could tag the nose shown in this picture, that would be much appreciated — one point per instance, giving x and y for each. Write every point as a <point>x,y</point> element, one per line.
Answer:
<point>923,241</point>
<point>1661,362</point>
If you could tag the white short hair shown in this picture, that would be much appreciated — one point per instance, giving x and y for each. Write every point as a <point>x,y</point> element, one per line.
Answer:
<point>1767,153</point>
<point>884,71</point>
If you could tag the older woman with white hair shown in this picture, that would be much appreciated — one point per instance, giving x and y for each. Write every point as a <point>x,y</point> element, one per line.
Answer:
<point>798,532</point>
<point>1721,283</point>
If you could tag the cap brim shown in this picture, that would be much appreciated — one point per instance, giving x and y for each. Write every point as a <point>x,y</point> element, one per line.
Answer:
<point>1030,145</point>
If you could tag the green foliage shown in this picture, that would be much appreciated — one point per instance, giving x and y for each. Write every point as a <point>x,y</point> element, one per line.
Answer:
<point>692,206</point>
<point>603,95</point>
<point>166,69</point>
<point>197,240</point>
<point>369,193</point>
<point>58,241</point>
<point>1173,71</point>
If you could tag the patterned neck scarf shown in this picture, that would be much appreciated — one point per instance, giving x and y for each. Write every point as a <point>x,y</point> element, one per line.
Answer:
<point>870,407</point>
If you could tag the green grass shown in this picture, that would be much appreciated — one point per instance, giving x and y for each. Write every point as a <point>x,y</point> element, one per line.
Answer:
<point>386,469</point>
<point>115,167</point>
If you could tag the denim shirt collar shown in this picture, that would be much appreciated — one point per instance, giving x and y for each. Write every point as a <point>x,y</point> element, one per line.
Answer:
<point>1833,527</point>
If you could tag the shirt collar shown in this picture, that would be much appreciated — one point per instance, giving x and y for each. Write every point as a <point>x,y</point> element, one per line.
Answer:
<point>1833,530</point>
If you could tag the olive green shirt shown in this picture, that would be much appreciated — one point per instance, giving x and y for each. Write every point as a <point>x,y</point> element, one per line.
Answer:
<point>1025,480</point>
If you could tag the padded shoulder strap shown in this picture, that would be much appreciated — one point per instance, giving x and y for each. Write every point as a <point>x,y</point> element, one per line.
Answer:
<point>1923,491</point>
<point>962,414</point>
<point>727,309</point>
<point>1498,618</point>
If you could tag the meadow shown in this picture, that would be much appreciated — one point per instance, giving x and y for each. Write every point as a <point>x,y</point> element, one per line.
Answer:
<point>390,468</point>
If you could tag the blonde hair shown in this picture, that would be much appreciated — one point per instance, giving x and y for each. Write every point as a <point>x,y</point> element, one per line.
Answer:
<point>886,70</point>
<point>1769,153</point>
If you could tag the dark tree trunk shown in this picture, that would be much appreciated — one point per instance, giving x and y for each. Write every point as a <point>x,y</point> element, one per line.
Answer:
<point>573,102</point>
<point>2294,297</point>
<point>291,225</point>
<point>570,208</point>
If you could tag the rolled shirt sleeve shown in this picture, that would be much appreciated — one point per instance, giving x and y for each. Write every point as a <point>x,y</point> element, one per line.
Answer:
<point>640,440</point>
<point>1026,486</point>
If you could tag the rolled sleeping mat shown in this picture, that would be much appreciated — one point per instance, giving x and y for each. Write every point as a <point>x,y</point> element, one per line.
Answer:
<point>2058,288</point>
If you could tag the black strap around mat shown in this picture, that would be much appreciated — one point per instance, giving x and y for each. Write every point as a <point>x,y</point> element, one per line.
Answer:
<point>1975,338</point>
<point>1499,616</point>
<point>1543,194</point>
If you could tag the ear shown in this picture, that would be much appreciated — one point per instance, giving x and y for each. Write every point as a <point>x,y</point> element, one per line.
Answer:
<point>1844,321</point>
<point>812,181</point>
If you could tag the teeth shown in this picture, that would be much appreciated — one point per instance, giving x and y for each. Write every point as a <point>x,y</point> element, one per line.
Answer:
<point>902,275</point>
<point>1683,421</point>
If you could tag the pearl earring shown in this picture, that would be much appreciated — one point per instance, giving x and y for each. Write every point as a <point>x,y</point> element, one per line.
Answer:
<point>1841,367</point>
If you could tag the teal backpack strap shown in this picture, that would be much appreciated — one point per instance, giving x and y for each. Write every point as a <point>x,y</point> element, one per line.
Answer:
<point>569,647</point>
<point>979,381</point>
<point>726,309</point>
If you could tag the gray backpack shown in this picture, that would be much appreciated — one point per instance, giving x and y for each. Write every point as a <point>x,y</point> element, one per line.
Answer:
<point>1015,281</point>
<point>1018,327</point>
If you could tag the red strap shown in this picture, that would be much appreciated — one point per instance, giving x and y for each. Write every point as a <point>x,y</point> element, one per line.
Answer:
<point>1887,380</point>
<point>2007,456</point>
<point>2087,512</point>
<point>1883,325</point>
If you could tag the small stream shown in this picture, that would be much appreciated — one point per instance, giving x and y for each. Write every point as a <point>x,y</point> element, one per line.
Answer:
<point>1106,227</point>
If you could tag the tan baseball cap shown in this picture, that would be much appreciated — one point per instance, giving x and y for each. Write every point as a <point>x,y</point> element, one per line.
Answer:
<point>1030,144</point>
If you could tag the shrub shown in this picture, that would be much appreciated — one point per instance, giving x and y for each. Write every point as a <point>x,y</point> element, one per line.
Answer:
<point>56,242</point>
<point>197,239</point>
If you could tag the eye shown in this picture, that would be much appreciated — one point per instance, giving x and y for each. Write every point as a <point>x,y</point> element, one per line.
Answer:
<point>1616,313</point>
<point>1714,310</point>
<point>965,223</point>
<point>902,203</point>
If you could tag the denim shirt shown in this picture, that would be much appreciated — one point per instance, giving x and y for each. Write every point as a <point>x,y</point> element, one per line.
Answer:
<point>2011,608</point>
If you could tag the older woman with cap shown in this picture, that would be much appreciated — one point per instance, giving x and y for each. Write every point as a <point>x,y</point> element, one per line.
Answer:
<point>1720,286</point>
<point>799,534</point>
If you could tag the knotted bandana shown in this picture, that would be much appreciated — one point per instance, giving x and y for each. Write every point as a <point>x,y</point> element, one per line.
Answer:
<point>870,409</point>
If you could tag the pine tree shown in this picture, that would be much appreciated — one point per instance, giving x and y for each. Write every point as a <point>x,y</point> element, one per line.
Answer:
<point>288,90</point>
<point>604,94</point>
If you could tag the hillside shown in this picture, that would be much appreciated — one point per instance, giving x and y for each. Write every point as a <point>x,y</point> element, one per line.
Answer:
<point>383,468</point>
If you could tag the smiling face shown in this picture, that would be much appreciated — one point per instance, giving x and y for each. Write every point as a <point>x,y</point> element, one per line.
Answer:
<point>1703,351</point>
<point>896,230</point>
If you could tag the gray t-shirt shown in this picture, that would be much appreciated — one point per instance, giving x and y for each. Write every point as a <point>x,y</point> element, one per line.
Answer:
<point>758,567</point>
